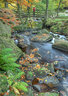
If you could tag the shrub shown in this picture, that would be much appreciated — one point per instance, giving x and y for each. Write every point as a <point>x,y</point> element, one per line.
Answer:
<point>19,27</point>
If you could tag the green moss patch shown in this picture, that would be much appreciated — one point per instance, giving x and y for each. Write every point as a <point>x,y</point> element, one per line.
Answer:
<point>6,41</point>
<point>61,45</point>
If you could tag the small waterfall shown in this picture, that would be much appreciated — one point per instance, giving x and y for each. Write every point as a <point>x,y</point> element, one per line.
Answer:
<point>26,40</point>
<point>53,40</point>
<point>16,41</point>
<point>62,37</point>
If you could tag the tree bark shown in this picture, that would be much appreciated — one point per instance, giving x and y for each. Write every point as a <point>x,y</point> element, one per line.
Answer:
<point>58,8</point>
<point>46,12</point>
<point>46,15</point>
<point>6,3</point>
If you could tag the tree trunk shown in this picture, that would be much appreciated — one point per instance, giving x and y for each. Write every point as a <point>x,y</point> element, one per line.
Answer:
<point>46,15</point>
<point>58,8</point>
<point>46,12</point>
<point>6,3</point>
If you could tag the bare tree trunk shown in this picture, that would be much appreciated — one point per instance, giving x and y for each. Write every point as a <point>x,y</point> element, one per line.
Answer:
<point>6,3</point>
<point>46,14</point>
<point>58,8</point>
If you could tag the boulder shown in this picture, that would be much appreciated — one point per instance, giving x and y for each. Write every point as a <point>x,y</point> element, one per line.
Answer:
<point>6,41</point>
<point>61,45</point>
<point>46,84</point>
<point>41,38</point>
<point>49,94</point>
<point>5,30</point>
<point>51,81</point>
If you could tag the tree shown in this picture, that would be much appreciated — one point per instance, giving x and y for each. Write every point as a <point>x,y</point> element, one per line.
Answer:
<point>6,3</point>
<point>46,14</point>
<point>59,7</point>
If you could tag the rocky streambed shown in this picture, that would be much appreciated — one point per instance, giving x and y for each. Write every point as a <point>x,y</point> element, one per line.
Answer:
<point>47,71</point>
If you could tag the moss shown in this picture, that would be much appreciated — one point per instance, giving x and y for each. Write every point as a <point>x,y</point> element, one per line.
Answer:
<point>44,31</point>
<point>61,45</point>
<point>58,25</point>
<point>19,36</point>
<point>5,30</point>
<point>49,94</point>
<point>6,41</point>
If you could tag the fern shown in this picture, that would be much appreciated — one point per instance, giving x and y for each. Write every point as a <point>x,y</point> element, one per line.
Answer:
<point>7,63</point>
<point>21,86</point>
<point>13,81</point>
<point>15,77</point>
<point>7,60</point>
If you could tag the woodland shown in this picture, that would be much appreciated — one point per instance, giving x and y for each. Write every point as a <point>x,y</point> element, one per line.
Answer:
<point>33,47</point>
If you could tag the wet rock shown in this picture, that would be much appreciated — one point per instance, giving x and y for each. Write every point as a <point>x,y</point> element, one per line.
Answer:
<point>45,84</point>
<point>49,94</point>
<point>37,87</point>
<point>35,32</point>
<point>41,87</point>
<point>41,38</point>
<point>61,45</point>
<point>51,81</point>
<point>59,74</point>
<point>27,33</point>
<point>22,46</point>
<point>19,36</point>
<point>65,85</point>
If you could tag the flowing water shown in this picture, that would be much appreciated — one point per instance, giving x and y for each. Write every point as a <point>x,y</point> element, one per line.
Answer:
<point>50,55</point>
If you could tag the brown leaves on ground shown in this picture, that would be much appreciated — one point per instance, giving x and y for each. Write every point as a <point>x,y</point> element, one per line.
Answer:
<point>7,16</point>
<point>40,36</point>
<point>29,58</point>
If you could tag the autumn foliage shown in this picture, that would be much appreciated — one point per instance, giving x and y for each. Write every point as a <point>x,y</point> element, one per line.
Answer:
<point>8,17</point>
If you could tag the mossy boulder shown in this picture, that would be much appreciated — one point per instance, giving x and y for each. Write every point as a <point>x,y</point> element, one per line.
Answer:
<point>61,45</point>
<point>6,41</point>
<point>41,38</point>
<point>44,31</point>
<point>5,30</point>
<point>49,94</point>
<point>58,25</point>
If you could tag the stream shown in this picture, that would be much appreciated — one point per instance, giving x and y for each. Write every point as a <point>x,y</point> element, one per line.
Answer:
<point>49,55</point>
